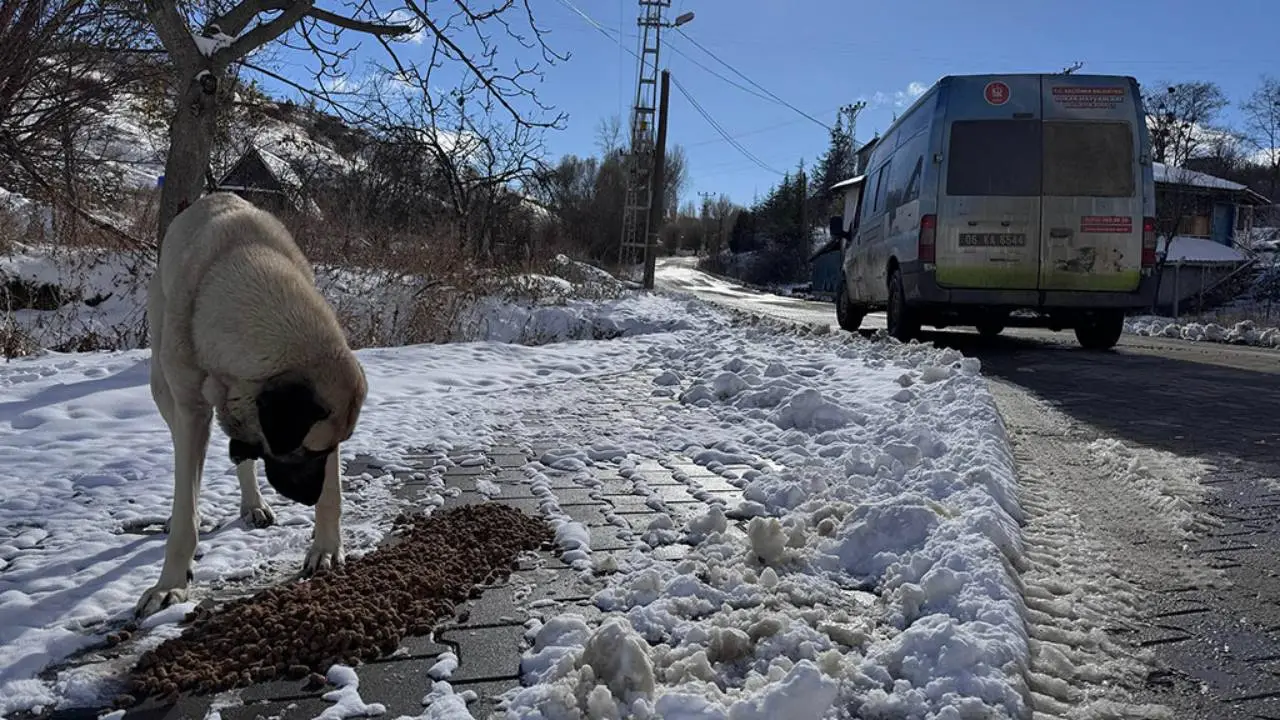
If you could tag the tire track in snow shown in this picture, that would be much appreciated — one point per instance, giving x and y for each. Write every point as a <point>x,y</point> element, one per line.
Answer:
<point>1105,526</point>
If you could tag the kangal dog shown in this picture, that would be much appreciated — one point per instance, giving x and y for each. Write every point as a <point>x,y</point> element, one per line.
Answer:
<point>239,331</point>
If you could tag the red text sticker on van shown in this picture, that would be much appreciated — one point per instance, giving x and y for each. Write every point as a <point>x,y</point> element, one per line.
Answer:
<point>1106,224</point>
<point>996,93</point>
<point>1089,98</point>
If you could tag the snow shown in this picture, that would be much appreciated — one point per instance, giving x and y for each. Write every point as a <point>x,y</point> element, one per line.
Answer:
<point>1244,332</point>
<point>1181,176</point>
<point>346,700</point>
<point>866,565</point>
<point>1194,249</point>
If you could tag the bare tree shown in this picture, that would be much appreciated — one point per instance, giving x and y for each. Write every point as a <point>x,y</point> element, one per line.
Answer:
<point>609,135</point>
<point>1262,123</point>
<point>1182,117</point>
<point>204,42</point>
<point>59,71</point>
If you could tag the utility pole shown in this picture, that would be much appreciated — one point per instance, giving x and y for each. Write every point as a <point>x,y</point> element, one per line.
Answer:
<point>706,215</point>
<point>657,198</point>
<point>641,161</point>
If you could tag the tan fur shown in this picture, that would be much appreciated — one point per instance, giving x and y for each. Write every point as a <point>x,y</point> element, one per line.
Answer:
<point>232,304</point>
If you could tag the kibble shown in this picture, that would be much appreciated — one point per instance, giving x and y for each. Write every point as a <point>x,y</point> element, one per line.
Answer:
<point>358,612</point>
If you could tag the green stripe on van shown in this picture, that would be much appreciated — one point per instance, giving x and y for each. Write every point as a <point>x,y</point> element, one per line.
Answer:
<point>1124,281</point>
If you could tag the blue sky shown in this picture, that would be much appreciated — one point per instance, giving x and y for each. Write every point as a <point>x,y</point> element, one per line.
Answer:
<point>820,54</point>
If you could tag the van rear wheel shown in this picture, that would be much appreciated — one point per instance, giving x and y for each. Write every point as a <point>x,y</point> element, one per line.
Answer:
<point>903,323</point>
<point>1100,331</point>
<point>848,315</point>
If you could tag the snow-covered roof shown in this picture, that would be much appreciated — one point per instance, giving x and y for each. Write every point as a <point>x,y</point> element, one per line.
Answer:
<point>280,168</point>
<point>1200,250</point>
<point>1182,176</point>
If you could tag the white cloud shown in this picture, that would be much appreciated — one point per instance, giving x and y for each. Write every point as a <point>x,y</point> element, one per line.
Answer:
<point>898,99</point>
<point>404,17</point>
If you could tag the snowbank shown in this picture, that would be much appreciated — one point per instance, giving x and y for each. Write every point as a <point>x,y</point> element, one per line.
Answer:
<point>93,300</point>
<point>1194,249</point>
<point>867,567</point>
<point>1245,332</point>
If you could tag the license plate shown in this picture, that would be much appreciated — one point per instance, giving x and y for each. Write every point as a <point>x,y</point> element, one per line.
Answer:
<point>993,240</point>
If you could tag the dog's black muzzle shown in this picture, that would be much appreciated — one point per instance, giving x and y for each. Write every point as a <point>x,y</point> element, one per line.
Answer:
<point>298,476</point>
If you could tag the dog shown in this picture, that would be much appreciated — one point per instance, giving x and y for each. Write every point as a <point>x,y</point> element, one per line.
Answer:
<point>239,332</point>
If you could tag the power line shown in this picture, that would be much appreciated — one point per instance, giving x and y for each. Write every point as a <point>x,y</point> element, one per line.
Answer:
<point>610,33</point>
<point>757,131</point>
<point>753,82</point>
<point>711,121</point>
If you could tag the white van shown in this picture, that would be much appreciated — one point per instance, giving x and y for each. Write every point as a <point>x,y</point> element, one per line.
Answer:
<point>998,193</point>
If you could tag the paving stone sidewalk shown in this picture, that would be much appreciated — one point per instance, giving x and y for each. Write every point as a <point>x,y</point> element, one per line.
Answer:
<point>487,633</point>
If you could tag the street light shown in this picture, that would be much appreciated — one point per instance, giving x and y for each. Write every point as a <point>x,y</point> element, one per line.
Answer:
<point>682,19</point>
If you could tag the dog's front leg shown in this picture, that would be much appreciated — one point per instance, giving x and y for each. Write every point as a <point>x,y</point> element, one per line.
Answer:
<point>190,431</point>
<point>326,543</point>
<point>253,508</point>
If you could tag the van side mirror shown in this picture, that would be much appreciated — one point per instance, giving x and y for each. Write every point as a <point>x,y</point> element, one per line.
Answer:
<point>836,225</point>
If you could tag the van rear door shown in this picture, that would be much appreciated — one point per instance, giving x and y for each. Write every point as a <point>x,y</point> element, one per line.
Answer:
<point>988,233</point>
<point>1092,190</point>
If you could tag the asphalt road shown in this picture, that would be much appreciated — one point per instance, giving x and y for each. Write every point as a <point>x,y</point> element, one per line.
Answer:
<point>1215,651</point>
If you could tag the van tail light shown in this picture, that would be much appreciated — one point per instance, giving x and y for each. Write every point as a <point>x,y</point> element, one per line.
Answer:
<point>927,246</point>
<point>1148,242</point>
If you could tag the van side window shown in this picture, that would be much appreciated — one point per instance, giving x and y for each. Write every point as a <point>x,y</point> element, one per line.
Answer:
<point>882,188</point>
<point>913,182</point>
<point>869,195</point>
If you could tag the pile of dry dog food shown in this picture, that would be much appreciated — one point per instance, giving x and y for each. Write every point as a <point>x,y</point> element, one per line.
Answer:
<point>358,612</point>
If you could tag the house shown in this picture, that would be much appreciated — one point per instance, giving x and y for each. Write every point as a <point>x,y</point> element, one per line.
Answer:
<point>1198,205</point>
<point>824,264</point>
<point>266,180</point>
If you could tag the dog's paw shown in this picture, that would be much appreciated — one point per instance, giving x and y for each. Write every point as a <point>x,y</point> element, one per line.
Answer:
<point>322,557</point>
<point>159,598</point>
<point>258,517</point>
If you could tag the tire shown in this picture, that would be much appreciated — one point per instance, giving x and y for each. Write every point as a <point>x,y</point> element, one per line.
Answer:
<point>1101,331</point>
<point>989,330</point>
<point>848,316</point>
<point>903,322</point>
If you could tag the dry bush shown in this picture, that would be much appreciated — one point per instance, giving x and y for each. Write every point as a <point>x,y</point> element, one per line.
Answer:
<point>397,287</point>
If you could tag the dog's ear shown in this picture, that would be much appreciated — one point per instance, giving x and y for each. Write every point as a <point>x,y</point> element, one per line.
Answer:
<point>287,409</point>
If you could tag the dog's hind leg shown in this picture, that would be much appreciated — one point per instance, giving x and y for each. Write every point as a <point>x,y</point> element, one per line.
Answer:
<point>253,508</point>
<point>326,542</point>
<point>190,430</point>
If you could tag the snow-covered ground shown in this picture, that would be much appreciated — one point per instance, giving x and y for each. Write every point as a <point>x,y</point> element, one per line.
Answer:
<point>873,575</point>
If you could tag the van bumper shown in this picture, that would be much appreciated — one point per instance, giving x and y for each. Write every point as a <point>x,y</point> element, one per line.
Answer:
<point>922,288</point>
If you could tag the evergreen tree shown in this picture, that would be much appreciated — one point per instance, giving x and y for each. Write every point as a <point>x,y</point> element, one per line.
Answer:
<point>837,163</point>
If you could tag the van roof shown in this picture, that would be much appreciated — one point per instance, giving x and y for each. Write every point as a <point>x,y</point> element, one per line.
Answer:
<point>1029,75</point>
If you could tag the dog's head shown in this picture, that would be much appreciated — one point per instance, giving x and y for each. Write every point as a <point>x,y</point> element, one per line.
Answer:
<point>294,422</point>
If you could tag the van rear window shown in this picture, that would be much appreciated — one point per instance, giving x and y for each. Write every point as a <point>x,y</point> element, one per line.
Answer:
<point>1088,159</point>
<point>994,157</point>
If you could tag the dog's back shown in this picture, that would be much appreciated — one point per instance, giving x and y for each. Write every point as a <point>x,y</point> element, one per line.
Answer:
<point>233,270</point>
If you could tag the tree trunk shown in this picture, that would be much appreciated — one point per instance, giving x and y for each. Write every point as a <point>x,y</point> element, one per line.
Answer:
<point>191,136</point>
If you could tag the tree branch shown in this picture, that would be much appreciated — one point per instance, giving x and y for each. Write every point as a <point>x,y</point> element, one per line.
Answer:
<point>263,33</point>
<point>369,28</point>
